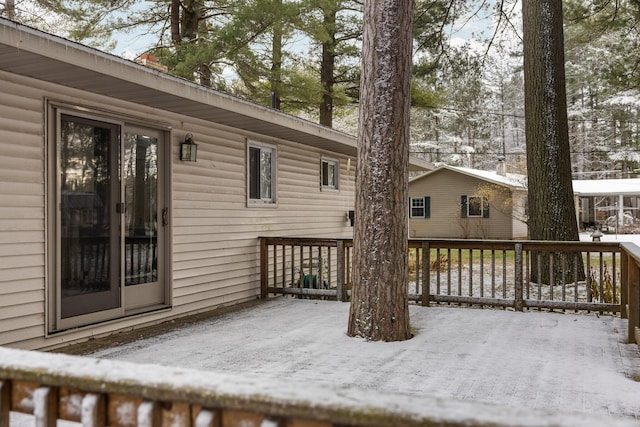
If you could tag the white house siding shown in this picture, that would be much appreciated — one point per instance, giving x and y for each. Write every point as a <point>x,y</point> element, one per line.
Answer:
<point>445,188</point>
<point>22,224</point>
<point>215,250</point>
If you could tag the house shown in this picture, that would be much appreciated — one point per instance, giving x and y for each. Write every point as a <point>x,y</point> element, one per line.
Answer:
<point>107,223</point>
<point>457,202</point>
<point>610,204</point>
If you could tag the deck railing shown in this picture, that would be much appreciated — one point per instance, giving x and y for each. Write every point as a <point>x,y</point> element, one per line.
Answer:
<point>94,392</point>
<point>51,387</point>
<point>586,276</point>
<point>630,303</point>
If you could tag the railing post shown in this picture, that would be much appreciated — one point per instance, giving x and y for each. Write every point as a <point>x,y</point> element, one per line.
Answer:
<point>624,283</point>
<point>634,302</point>
<point>45,406</point>
<point>264,268</point>
<point>426,273</point>
<point>149,414</point>
<point>5,402</point>
<point>518,302</point>
<point>207,418</point>
<point>340,271</point>
<point>93,413</point>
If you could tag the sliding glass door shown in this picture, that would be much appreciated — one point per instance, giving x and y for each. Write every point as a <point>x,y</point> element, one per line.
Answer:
<point>110,222</point>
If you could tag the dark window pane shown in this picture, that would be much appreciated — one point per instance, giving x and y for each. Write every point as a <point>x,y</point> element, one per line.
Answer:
<point>254,173</point>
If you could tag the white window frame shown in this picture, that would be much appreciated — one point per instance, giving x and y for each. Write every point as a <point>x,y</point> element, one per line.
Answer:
<point>336,167</point>
<point>412,206</point>
<point>262,200</point>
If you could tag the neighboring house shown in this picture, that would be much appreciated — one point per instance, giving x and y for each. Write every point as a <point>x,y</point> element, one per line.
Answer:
<point>455,202</point>
<point>103,227</point>
<point>607,203</point>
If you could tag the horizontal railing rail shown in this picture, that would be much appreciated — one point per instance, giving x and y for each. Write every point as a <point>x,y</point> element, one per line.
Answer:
<point>576,276</point>
<point>51,387</point>
<point>496,273</point>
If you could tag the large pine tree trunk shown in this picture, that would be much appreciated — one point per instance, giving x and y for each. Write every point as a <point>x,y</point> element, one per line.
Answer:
<point>551,204</point>
<point>327,68</point>
<point>276,62</point>
<point>379,301</point>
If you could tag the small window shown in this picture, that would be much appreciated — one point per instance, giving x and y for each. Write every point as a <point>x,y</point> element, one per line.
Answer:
<point>419,207</point>
<point>475,207</point>
<point>261,173</point>
<point>329,173</point>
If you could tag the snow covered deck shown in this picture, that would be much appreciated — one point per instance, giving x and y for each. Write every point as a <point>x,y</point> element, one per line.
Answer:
<point>541,360</point>
<point>529,364</point>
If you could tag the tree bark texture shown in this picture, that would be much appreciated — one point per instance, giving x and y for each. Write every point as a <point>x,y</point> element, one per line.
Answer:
<point>327,68</point>
<point>276,62</point>
<point>175,21</point>
<point>550,192</point>
<point>551,204</point>
<point>379,301</point>
<point>191,17</point>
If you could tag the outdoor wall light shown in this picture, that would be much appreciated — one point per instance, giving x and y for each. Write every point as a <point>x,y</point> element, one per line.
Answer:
<point>188,149</point>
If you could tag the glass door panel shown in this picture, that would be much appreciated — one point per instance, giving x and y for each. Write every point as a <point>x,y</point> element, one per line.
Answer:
<point>89,241</point>
<point>142,240</point>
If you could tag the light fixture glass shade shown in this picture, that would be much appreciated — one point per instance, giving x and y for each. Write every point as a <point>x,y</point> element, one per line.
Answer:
<point>188,149</point>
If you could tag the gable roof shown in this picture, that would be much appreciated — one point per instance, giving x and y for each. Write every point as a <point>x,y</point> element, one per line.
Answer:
<point>33,53</point>
<point>584,187</point>
<point>511,180</point>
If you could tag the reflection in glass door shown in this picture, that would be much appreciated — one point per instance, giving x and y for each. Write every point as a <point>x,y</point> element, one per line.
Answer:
<point>89,241</point>
<point>110,221</point>
<point>142,241</point>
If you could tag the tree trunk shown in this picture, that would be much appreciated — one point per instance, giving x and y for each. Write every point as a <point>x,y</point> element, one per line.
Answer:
<point>276,62</point>
<point>9,11</point>
<point>175,21</point>
<point>191,17</point>
<point>379,301</point>
<point>327,68</point>
<point>552,213</point>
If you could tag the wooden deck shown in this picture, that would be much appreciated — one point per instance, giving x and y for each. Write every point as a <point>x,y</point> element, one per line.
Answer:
<point>297,368</point>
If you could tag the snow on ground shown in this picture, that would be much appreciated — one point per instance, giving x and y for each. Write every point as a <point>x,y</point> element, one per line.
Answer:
<point>620,238</point>
<point>553,361</point>
<point>566,362</point>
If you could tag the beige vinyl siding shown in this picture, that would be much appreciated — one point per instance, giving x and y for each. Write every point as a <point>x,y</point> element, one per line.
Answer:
<point>216,251</point>
<point>445,188</point>
<point>520,228</point>
<point>214,234</point>
<point>22,219</point>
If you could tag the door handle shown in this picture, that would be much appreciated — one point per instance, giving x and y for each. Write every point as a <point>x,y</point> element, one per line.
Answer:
<point>165,217</point>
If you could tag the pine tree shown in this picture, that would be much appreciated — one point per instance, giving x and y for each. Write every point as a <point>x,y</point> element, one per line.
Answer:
<point>379,301</point>
<point>552,213</point>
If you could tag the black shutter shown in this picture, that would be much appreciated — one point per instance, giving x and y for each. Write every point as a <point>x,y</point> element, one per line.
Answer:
<point>485,208</point>
<point>463,206</point>
<point>427,207</point>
